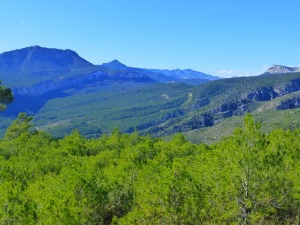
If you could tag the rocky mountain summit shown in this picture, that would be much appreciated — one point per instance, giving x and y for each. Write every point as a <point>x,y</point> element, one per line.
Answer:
<point>37,58</point>
<point>115,64</point>
<point>278,69</point>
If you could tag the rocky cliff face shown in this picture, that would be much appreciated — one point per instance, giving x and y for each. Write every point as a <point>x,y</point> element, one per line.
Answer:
<point>269,93</point>
<point>240,106</point>
<point>278,69</point>
<point>290,103</point>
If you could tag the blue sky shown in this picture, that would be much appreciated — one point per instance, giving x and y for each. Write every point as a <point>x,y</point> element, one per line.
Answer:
<point>220,37</point>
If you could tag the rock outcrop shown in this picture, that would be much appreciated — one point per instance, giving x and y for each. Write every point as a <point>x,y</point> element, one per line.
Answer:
<point>290,103</point>
<point>239,107</point>
<point>278,69</point>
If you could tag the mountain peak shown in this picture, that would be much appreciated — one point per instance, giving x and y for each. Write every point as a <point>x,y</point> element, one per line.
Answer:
<point>278,69</point>
<point>116,61</point>
<point>36,58</point>
<point>34,47</point>
<point>115,64</point>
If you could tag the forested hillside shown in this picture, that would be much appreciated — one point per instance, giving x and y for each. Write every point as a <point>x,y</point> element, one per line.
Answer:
<point>247,178</point>
<point>6,97</point>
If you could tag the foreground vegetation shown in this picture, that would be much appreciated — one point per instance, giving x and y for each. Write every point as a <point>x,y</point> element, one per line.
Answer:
<point>6,97</point>
<point>247,178</point>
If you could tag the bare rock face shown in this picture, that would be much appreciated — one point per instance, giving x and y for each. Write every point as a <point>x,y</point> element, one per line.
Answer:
<point>290,103</point>
<point>278,69</point>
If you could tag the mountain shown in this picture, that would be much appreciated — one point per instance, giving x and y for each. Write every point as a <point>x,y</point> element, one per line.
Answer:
<point>203,113</point>
<point>31,65</point>
<point>166,109</point>
<point>37,70</point>
<point>185,74</point>
<point>38,75</point>
<point>115,65</point>
<point>65,92</point>
<point>173,74</point>
<point>278,69</point>
<point>37,58</point>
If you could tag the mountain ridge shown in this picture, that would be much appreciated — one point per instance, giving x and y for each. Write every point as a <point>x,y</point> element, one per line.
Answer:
<point>279,69</point>
<point>39,58</point>
<point>35,64</point>
<point>184,74</point>
<point>115,64</point>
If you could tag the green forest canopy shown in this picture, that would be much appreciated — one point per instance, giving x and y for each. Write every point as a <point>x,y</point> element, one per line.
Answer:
<point>247,178</point>
<point>6,97</point>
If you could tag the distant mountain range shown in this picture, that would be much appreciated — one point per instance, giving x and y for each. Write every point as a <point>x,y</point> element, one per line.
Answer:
<point>184,74</point>
<point>165,76</point>
<point>37,64</point>
<point>65,92</point>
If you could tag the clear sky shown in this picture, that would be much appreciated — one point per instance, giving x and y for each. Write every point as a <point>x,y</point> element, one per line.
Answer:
<point>220,37</point>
